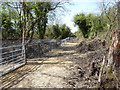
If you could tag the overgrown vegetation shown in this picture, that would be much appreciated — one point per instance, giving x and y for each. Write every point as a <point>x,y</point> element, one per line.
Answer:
<point>31,17</point>
<point>58,32</point>
<point>91,25</point>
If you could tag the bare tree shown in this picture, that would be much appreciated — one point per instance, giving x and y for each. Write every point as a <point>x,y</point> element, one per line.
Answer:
<point>114,50</point>
<point>118,11</point>
<point>112,12</point>
<point>109,9</point>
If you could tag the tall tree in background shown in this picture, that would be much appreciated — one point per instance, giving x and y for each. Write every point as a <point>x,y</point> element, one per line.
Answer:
<point>42,10</point>
<point>109,10</point>
<point>58,32</point>
<point>81,21</point>
<point>90,25</point>
<point>35,17</point>
<point>8,19</point>
<point>96,24</point>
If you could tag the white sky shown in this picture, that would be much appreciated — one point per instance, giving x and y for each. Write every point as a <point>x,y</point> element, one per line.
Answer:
<point>77,7</point>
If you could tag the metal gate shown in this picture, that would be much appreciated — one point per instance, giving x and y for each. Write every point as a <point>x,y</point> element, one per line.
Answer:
<point>11,58</point>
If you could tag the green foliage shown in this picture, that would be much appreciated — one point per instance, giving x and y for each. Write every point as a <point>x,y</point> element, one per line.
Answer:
<point>58,32</point>
<point>90,24</point>
<point>81,21</point>
<point>78,34</point>
<point>32,17</point>
<point>7,25</point>
<point>41,11</point>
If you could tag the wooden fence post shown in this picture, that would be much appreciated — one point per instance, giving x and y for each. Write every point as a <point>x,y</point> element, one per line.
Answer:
<point>101,69</point>
<point>24,30</point>
<point>24,53</point>
<point>2,70</point>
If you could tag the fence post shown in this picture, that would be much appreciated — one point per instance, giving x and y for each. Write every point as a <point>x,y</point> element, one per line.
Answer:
<point>1,72</point>
<point>1,82</point>
<point>1,57</point>
<point>24,52</point>
<point>12,56</point>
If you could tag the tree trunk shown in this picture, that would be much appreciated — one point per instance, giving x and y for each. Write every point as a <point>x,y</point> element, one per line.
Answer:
<point>114,50</point>
<point>118,15</point>
<point>24,30</point>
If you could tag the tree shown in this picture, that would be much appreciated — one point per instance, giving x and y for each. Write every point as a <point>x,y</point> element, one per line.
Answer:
<point>65,32</point>
<point>8,23</point>
<point>118,12</point>
<point>114,54</point>
<point>42,10</point>
<point>81,21</point>
<point>58,32</point>
<point>109,10</point>
<point>113,57</point>
<point>35,17</point>
<point>49,33</point>
<point>97,24</point>
<point>90,24</point>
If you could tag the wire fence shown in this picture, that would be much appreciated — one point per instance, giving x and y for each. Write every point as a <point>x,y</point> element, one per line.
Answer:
<point>36,50</point>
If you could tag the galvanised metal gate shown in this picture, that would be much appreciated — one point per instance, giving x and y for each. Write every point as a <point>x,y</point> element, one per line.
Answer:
<point>12,57</point>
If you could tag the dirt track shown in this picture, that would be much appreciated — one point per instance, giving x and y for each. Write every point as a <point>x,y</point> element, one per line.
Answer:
<point>68,66</point>
<point>50,71</point>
